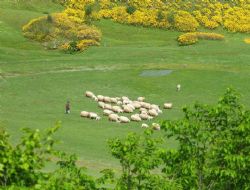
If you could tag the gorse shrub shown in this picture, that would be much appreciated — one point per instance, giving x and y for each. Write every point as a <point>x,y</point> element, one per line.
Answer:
<point>184,21</point>
<point>182,15</point>
<point>194,37</point>
<point>61,30</point>
<point>247,40</point>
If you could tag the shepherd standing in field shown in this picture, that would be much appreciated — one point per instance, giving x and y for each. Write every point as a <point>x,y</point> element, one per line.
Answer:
<point>67,107</point>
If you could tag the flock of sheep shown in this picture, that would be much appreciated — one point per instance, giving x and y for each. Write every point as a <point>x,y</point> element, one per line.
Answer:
<point>112,106</point>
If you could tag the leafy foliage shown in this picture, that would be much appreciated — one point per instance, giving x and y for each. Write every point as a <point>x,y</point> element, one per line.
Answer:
<point>20,164</point>
<point>139,157</point>
<point>213,146</point>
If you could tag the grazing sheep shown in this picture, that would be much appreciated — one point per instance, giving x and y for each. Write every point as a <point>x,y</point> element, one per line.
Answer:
<point>131,106</point>
<point>145,105</point>
<point>153,112</point>
<point>117,109</point>
<point>89,94</point>
<point>113,100</point>
<point>136,104</point>
<point>114,117</point>
<point>100,98</point>
<point>135,117</point>
<point>126,102</point>
<point>168,105</point>
<point>93,115</point>
<point>127,109</point>
<point>94,98</point>
<point>156,126</point>
<point>154,106</point>
<point>107,99</point>
<point>107,112</point>
<point>144,125</point>
<point>144,116</point>
<point>101,105</point>
<point>178,87</point>
<point>84,114</point>
<point>119,102</point>
<point>124,119</point>
<point>143,110</point>
<point>124,98</point>
<point>141,99</point>
<point>107,106</point>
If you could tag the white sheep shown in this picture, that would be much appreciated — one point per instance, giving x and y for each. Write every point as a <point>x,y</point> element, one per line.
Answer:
<point>89,94</point>
<point>93,115</point>
<point>124,98</point>
<point>141,99</point>
<point>107,99</point>
<point>168,105</point>
<point>144,116</point>
<point>108,106</point>
<point>153,112</point>
<point>114,117</point>
<point>100,98</point>
<point>131,106</point>
<point>154,106</point>
<point>101,105</point>
<point>124,119</point>
<point>144,125</point>
<point>107,112</point>
<point>94,98</point>
<point>143,110</point>
<point>156,126</point>
<point>126,102</point>
<point>135,117</point>
<point>84,114</point>
<point>178,87</point>
<point>127,109</point>
<point>117,109</point>
<point>136,104</point>
<point>113,100</point>
<point>145,105</point>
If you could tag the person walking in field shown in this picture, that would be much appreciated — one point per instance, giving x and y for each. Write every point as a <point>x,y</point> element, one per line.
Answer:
<point>67,107</point>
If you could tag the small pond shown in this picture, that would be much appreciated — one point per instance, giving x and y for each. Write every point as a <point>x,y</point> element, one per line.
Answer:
<point>155,73</point>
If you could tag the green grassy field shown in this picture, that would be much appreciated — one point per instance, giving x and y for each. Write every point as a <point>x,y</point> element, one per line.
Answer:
<point>35,83</point>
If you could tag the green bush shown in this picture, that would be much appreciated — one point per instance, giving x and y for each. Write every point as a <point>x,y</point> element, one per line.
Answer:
<point>130,9</point>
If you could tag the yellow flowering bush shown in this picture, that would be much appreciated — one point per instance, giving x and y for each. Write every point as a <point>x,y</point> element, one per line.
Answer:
<point>193,37</point>
<point>185,22</point>
<point>237,20</point>
<point>119,14</point>
<point>247,40</point>
<point>179,14</point>
<point>83,44</point>
<point>60,31</point>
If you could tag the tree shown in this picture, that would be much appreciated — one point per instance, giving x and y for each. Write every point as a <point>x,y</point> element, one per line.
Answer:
<point>20,164</point>
<point>139,157</point>
<point>214,146</point>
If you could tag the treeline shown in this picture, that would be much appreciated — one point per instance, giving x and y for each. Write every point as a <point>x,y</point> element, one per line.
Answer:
<point>213,153</point>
